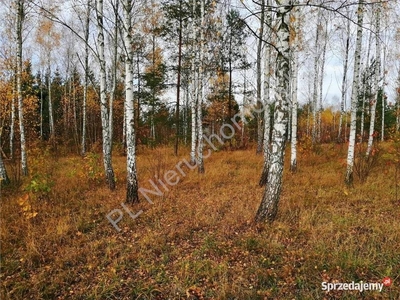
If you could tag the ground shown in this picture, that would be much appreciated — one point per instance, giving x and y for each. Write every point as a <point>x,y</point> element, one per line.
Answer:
<point>198,240</point>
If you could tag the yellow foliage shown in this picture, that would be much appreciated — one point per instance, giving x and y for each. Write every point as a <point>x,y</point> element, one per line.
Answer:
<point>26,207</point>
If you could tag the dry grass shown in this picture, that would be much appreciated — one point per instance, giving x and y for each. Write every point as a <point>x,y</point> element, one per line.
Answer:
<point>199,237</point>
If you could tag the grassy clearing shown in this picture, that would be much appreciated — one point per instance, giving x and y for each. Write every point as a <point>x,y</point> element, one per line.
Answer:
<point>198,240</point>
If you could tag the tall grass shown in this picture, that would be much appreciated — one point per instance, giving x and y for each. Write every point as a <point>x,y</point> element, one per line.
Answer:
<point>199,241</point>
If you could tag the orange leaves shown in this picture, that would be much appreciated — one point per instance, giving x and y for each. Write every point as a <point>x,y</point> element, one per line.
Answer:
<point>26,207</point>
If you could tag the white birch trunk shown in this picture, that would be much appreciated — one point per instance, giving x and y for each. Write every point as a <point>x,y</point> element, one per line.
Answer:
<point>321,82</point>
<point>51,117</point>
<point>12,123</point>
<point>132,185</point>
<point>293,142</point>
<point>194,99</point>
<point>376,79</point>
<point>19,24</point>
<point>364,87</point>
<point>41,105</point>
<point>269,204</point>
<point>103,99</point>
<point>200,162</point>
<point>354,95</point>
<point>344,81</point>
<point>383,94</point>
<point>114,72</point>
<point>316,74</point>
<point>267,87</point>
<point>86,79</point>
<point>259,102</point>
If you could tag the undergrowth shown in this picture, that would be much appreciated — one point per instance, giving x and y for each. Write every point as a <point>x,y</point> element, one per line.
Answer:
<point>199,241</point>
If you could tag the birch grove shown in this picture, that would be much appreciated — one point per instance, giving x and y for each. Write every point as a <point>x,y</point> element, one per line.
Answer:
<point>141,78</point>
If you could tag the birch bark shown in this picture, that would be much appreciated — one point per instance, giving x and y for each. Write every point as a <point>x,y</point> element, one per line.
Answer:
<point>200,161</point>
<point>132,185</point>
<point>344,80</point>
<point>19,25</point>
<point>376,79</point>
<point>293,142</point>
<point>103,99</point>
<point>259,102</point>
<point>86,78</point>
<point>354,95</point>
<point>269,204</point>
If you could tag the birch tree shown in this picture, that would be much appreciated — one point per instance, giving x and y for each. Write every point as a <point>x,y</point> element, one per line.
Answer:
<point>194,85</point>
<point>20,7</point>
<point>86,76</point>
<point>316,74</point>
<point>398,102</point>
<point>259,85</point>
<point>321,75</point>
<point>103,98</point>
<point>295,28</point>
<point>376,78</point>
<point>201,71</point>
<point>48,38</point>
<point>132,185</point>
<point>269,203</point>
<point>268,76</point>
<point>354,94</point>
<point>344,78</point>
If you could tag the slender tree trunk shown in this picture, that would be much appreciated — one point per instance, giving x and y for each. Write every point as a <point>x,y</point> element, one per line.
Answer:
<point>41,105</point>
<point>51,116</point>
<point>200,162</point>
<point>383,95</point>
<point>269,204</point>
<point>377,77</point>
<point>12,123</point>
<point>259,103</point>
<point>178,83</point>
<point>186,113</point>
<point>267,87</point>
<point>344,81</point>
<point>103,99</point>
<point>242,129</point>
<point>398,104</point>
<point>132,184</point>
<point>230,67</point>
<point>321,83</point>
<point>365,81</point>
<point>316,74</point>
<point>354,95</point>
<point>194,101</point>
<point>137,111</point>
<point>86,79</point>
<point>20,20</point>
<point>293,144</point>
<point>74,100</point>
<point>114,73</point>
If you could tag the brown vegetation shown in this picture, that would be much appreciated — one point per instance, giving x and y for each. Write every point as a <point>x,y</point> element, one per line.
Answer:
<point>199,241</point>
